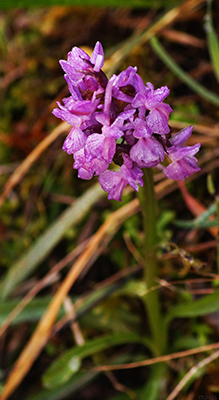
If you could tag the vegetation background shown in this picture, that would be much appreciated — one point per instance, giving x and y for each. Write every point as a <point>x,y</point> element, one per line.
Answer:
<point>71,261</point>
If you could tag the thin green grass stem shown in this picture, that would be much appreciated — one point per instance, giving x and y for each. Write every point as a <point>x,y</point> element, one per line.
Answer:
<point>182,75</point>
<point>148,207</point>
<point>212,40</point>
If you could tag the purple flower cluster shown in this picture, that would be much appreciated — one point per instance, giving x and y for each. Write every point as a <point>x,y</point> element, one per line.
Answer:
<point>120,120</point>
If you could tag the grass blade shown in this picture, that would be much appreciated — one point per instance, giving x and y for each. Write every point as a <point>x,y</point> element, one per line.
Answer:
<point>182,75</point>
<point>200,222</point>
<point>212,39</point>
<point>32,312</point>
<point>206,305</point>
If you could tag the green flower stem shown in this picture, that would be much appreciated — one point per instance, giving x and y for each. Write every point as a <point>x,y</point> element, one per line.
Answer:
<point>155,382</point>
<point>148,207</point>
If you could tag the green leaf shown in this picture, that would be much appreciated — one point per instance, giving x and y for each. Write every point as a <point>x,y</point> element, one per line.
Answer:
<point>68,363</point>
<point>49,239</point>
<point>79,381</point>
<point>213,43</point>
<point>206,305</point>
<point>188,342</point>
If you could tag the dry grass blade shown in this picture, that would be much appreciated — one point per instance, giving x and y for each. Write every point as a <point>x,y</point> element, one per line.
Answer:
<point>160,359</point>
<point>75,327</point>
<point>192,372</point>
<point>31,158</point>
<point>43,330</point>
<point>183,38</point>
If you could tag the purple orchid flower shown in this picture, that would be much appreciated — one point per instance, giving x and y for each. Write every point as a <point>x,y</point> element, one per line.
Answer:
<point>119,120</point>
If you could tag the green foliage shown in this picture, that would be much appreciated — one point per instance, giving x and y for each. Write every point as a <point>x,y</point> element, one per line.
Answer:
<point>62,369</point>
<point>206,305</point>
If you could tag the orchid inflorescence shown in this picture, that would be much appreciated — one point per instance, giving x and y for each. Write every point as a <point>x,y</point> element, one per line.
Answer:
<point>119,120</point>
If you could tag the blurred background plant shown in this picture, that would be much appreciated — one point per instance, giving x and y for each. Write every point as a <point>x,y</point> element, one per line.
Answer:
<point>52,222</point>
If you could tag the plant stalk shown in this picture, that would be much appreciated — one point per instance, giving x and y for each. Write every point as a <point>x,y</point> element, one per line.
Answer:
<point>148,208</point>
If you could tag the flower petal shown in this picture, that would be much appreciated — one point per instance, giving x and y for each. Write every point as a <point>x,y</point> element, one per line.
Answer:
<point>97,57</point>
<point>75,141</point>
<point>113,183</point>
<point>147,152</point>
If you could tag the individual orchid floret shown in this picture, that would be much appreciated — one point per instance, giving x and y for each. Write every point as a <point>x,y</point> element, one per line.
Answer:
<point>86,170</point>
<point>141,129</point>
<point>125,84</point>
<point>80,62</point>
<point>179,138</point>
<point>83,73</point>
<point>75,140</point>
<point>101,147</point>
<point>75,113</point>
<point>150,99</point>
<point>74,109</point>
<point>183,162</point>
<point>147,152</point>
<point>131,173</point>
<point>114,182</point>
